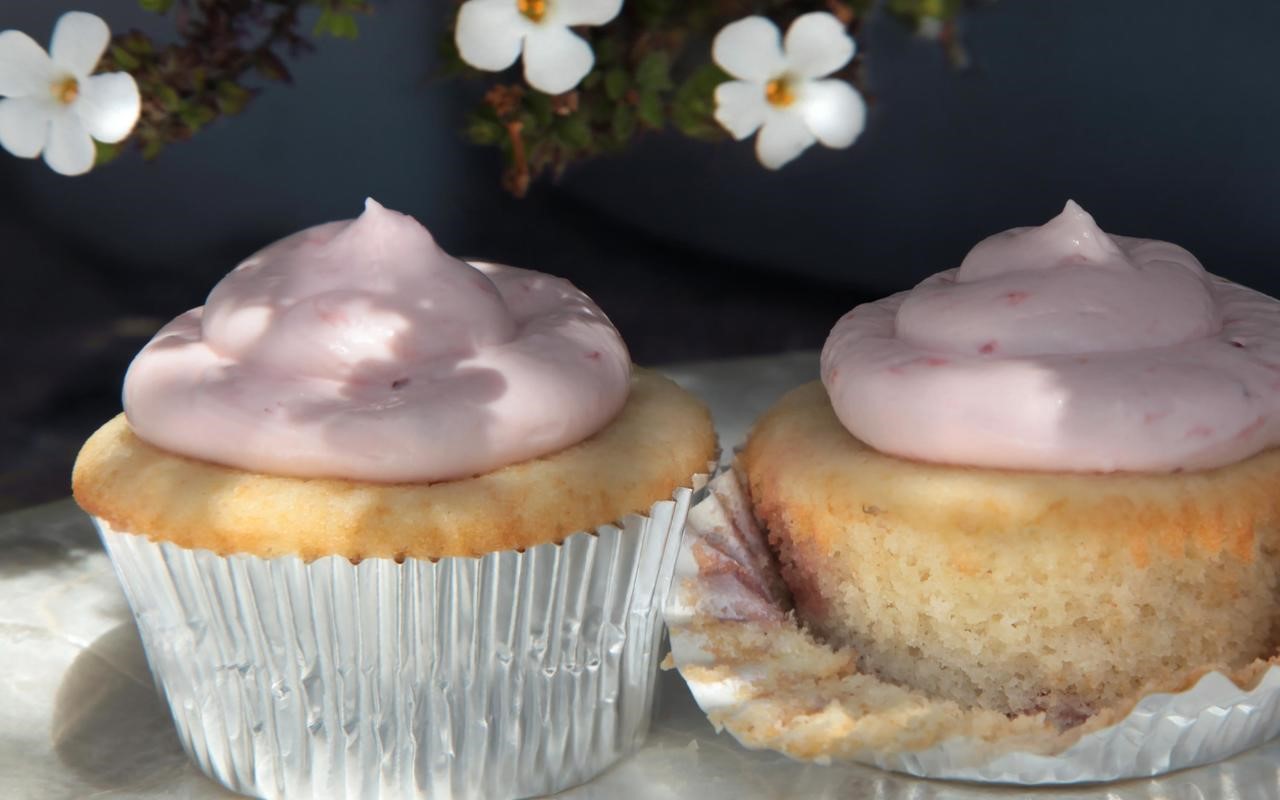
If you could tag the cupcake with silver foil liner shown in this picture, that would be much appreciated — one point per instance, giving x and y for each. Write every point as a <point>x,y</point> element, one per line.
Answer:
<point>396,525</point>
<point>1026,529</point>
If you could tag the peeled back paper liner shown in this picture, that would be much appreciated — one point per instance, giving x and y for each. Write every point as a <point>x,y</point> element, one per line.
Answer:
<point>509,675</point>
<point>756,673</point>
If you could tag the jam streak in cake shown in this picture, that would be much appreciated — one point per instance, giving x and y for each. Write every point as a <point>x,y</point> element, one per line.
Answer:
<point>802,564</point>
<point>1062,711</point>
<point>1063,348</point>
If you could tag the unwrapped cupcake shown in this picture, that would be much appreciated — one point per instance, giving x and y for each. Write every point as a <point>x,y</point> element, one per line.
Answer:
<point>1027,528</point>
<point>396,525</point>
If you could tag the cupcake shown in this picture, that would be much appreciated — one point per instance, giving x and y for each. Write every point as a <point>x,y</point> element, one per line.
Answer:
<point>1026,495</point>
<point>393,524</point>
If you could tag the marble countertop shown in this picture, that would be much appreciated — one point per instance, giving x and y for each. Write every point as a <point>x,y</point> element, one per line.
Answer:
<point>80,717</point>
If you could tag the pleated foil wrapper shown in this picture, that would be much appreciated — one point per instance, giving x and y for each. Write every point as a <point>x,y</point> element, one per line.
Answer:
<point>726,577</point>
<point>512,675</point>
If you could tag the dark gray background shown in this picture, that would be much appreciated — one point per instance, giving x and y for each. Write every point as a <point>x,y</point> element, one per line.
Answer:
<point>1160,117</point>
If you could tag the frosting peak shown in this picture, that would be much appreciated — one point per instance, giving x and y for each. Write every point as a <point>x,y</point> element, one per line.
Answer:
<point>1064,287</point>
<point>360,349</point>
<point>1062,347</point>
<point>1071,238</point>
<point>346,301</point>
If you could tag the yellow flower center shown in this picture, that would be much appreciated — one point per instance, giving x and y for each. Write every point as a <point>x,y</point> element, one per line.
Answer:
<point>66,90</point>
<point>533,9</point>
<point>778,92</point>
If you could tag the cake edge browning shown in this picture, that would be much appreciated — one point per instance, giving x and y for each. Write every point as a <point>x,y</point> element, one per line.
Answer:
<point>1017,592</point>
<point>662,437</point>
<point>814,704</point>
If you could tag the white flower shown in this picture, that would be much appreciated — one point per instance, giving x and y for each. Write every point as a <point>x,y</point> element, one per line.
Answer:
<point>54,104</point>
<point>492,33</point>
<point>778,91</point>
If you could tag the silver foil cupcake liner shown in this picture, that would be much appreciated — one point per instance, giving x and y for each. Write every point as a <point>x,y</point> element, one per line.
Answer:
<point>511,675</point>
<point>726,579</point>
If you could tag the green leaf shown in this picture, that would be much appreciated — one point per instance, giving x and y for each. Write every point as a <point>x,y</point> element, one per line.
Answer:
<point>338,24</point>
<point>598,108</point>
<point>196,117</point>
<point>232,98</point>
<point>575,130</point>
<point>323,23</point>
<point>700,87</point>
<point>124,59</point>
<point>137,44</point>
<point>107,153</point>
<point>156,6</point>
<point>624,123</point>
<point>269,66</point>
<point>650,110</point>
<point>693,106</point>
<point>168,96</point>
<point>485,131</point>
<point>539,105</point>
<point>152,149</point>
<point>616,83</point>
<point>915,11</point>
<point>654,71</point>
<point>654,12</point>
<point>348,28</point>
<point>607,49</point>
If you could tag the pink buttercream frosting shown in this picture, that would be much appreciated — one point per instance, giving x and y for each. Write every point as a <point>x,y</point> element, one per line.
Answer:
<point>361,350</point>
<point>1063,348</point>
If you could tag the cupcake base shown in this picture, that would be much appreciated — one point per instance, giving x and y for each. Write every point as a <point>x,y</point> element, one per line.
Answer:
<point>758,674</point>
<point>509,675</point>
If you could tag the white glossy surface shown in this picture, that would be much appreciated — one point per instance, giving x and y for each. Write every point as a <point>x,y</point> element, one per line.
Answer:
<point>79,717</point>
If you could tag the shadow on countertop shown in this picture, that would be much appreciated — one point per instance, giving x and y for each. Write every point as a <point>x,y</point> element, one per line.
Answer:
<point>110,728</point>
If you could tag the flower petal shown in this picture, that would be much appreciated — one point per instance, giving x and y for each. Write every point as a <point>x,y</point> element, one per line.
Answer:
<point>783,136</point>
<point>582,12</point>
<point>750,49</point>
<point>79,40</point>
<point>25,68</point>
<point>489,33</point>
<point>109,106</point>
<point>833,110</point>
<point>741,107</point>
<point>556,59</point>
<point>817,45</point>
<point>70,150</point>
<point>24,124</point>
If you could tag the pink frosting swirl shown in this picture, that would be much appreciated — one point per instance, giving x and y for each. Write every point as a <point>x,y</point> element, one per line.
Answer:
<point>1063,348</point>
<point>361,350</point>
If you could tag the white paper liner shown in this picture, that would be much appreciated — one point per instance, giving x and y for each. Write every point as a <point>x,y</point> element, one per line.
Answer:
<point>725,579</point>
<point>511,675</point>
